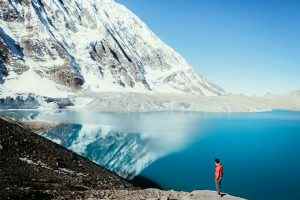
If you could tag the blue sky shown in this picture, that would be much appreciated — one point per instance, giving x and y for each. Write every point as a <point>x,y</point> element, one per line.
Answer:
<point>245,46</point>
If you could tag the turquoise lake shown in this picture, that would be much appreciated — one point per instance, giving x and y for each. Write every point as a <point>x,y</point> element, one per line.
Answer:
<point>260,151</point>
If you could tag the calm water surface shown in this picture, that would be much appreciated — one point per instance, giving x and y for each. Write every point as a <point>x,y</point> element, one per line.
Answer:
<point>260,151</point>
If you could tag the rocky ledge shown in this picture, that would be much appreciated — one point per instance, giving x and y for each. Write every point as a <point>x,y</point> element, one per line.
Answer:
<point>32,167</point>
<point>154,194</point>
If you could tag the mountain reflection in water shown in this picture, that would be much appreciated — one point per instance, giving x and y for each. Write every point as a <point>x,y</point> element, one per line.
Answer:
<point>125,143</point>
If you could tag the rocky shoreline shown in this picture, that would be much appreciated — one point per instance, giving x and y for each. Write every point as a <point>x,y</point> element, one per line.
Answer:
<point>32,167</point>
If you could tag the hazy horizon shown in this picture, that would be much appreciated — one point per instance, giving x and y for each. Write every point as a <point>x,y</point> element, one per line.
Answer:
<point>249,48</point>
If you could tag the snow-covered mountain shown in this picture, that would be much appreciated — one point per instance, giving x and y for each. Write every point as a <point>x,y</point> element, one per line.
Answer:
<point>57,48</point>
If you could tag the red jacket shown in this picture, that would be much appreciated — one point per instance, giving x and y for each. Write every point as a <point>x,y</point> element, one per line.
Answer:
<point>219,171</point>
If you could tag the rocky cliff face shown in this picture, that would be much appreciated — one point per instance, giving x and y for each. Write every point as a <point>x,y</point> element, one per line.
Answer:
<point>55,48</point>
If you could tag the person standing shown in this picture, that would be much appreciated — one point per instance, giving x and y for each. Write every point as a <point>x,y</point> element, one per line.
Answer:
<point>219,172</point>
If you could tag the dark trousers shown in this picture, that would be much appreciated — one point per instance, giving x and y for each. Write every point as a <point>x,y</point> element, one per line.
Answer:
<point>218,186</point>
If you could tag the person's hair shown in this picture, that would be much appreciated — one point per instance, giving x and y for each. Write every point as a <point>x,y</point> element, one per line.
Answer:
<point>217,160</point>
